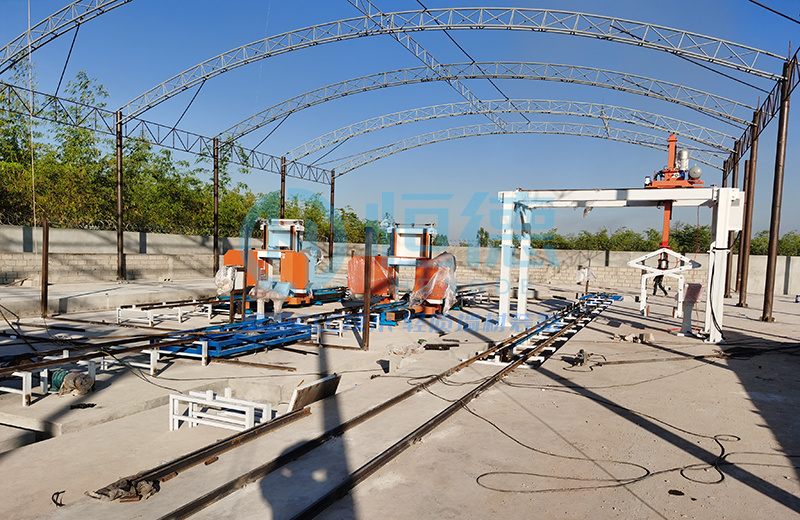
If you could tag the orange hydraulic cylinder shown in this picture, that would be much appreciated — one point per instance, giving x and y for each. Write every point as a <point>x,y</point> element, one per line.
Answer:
<point>383,276</point>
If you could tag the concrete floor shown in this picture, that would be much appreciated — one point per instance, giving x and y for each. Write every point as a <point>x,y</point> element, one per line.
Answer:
<point>557,442</point>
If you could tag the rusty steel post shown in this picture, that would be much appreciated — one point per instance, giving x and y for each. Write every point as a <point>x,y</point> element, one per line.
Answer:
<point>120,230</point>
<point>45,263</point>
<point>332,215</point>
<point>734,165</point>
<point>777,192</point>
<point>747,230</point>
<point>215,152</point>
<point>746,187</point>
<point>283,187</point>
<point>367,284</point>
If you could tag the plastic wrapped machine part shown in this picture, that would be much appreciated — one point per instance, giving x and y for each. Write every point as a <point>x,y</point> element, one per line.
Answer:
<point>435,282</point>
<point>276,292</point>
<point>383,276</point>
<point>224,279</point>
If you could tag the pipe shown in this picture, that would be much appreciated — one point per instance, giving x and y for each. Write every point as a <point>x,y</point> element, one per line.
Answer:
<point>777,192</point>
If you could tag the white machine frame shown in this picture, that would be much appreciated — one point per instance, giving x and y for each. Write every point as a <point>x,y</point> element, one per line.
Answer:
<point>651,272</point>
<point>726,205</point>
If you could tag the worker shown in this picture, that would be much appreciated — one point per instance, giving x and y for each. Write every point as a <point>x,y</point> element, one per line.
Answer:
<point>663,264</point>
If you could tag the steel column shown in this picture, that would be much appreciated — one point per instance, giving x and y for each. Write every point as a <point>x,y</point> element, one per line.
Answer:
<point>330,227</point>
<point>120,230</point>
<point>734,166</point>
<point>747,229</point>
<point>367,284</point>
<point>777,192</point>
<point>45,263</point>
<point>215,152</point>
<point>745,186</point>
<point>283,187</point>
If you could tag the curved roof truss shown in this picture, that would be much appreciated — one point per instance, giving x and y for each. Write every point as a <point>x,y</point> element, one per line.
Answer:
<point>58,23</point>
<point>682,43</point>
<point>729,110</point>
<point>576,129</point>
<point>705,136</point>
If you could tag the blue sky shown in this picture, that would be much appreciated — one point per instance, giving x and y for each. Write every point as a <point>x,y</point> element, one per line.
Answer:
<point>145,42</point>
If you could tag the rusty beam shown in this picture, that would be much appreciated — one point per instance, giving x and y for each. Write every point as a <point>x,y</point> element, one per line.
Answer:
<point>330,227</point>
<point>747,229</point>
<point>777,192</point>
<point>45,263</point>
<point>367,285</point>
<point>215,152</point>
<point>120,229</point>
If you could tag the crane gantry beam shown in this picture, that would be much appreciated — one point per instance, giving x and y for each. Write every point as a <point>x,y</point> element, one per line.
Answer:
<point>729,110</point>
<point>575,129</point>
<point>702,135</point>
<point>674,41</point>
<point>58,23</point>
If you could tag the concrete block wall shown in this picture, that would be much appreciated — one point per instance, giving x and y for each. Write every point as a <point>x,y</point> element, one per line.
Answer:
<point>174,257</point>
<point>79,268</point>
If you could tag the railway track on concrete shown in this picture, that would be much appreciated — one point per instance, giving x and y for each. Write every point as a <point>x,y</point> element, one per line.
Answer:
<point>531,348</point>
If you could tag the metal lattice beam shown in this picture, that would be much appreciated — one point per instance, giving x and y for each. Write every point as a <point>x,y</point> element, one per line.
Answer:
<point>576,129</point>
<point>385,23</point>
<point>687,44</point>
<point>717,106</point>
<point>46,107</point>
<point>52,27</point>
<point>702,135</point>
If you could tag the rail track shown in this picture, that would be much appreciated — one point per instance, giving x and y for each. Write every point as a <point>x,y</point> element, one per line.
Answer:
<point>530,347</point>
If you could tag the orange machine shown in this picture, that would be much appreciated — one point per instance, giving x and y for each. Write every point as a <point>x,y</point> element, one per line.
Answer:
<point>256,269</point>
<point>294,269</point>
<point>433,278</point>
<point>677,174</point>
<point>384,277</point>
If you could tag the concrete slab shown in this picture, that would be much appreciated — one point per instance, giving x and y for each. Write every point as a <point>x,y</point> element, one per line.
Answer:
<point>71,298</point>
<point>12,437</point>
<point>572,442</point>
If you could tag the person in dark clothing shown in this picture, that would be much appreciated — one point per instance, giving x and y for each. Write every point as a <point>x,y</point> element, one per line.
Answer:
<point>663,263</point>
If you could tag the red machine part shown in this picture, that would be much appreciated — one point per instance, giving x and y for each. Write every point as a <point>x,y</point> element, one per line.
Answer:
<point>384,277</point>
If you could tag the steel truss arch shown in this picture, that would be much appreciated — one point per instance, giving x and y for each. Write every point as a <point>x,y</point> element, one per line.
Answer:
<point>58,23</point>
<point>575,129</point>
<point>682,43</point>
<point>730,110</point>
<point>699,134</point>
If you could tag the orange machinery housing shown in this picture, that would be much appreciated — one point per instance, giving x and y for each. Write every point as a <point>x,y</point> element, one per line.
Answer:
<point>383,276</point>
<point>283,246</point>
<point>432,278</point>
